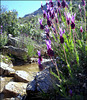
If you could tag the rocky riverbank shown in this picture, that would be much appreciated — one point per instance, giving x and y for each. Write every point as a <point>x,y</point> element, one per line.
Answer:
<point>25,79</point>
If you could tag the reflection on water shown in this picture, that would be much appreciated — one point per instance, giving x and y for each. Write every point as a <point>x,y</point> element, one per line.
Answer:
<point>28,67</point>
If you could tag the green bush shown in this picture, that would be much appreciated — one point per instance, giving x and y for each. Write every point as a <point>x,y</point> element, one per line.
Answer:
<point>3,39</point>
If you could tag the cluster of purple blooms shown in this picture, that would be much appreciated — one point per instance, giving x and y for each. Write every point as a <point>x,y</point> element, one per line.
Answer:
<point>39,60</point>
<point>51,16</point>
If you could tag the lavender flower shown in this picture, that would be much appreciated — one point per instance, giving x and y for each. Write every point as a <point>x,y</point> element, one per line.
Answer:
<point>47,31</point>
<point>70,92</point>
<point>61,33</point>
<point>68,17</point>
<point>39,55</point>
<point>39,60</point>
<point>51,3</point>
<point>56,18</point>
<point>56,10</point>
<point>73,21</point>
<point>52,14</point>
<point>41,25</point>
<point>44,13</point>
<point>58,3</point>
<point>63,4</point>
<point>54,30</point>
<point>48,21</point>
<point>49,50</point>
<point>81,30</point>
<point>46,3</point>
<point>48,9</point>
<point>1,26</point>
<point>83,2</point>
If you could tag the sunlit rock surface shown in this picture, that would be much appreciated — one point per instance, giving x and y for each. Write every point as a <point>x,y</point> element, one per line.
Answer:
<point>12,89</point>
<point>5,69</point>
<point>4,81</point>
<point>22,76</point>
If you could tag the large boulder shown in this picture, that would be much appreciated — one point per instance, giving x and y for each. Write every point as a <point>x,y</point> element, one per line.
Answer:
<point>17,52</point>
<point>44,81</point>
<point>15,41</point>
<point>4,81</point>
<point>6,70</point>
<point>6,59</point>
<point>12,89</point>
<point>23,76</point>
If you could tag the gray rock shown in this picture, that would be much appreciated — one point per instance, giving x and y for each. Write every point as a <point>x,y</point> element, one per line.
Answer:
<point>6,70</point>
<point>18,52</point>
<point>4,81</point>
<point>31,86</point>
<point>15,41</point>
<point>43,81</point>
<point>12,89</point>
<point>6,60</point>
<point>23,76</point>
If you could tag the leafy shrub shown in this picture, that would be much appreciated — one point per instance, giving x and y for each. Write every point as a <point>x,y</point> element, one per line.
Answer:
<point>3,39</point>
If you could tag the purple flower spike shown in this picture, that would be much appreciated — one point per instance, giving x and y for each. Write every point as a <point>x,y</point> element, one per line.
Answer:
<point>39,60</point>
<point>73,21</point>
<point>56,10</point>
<point>54,30</point>
<point>48,21</point>
<point>58,3</point>
<point>48,9</point>
<point>70,92</point>
<point>41,25</point>
<point>46,3</point>
<point>51,3</point>
<point>47,31</point>
<point>68,17</point>
<point>44,13</point>
<point>56,18</point>
<point>39,55</point>
<point>1,26</point>
<point>72,25</point>
<point>61,33</point>
<point>49,50</point>
<point>61,39</point>
<point>83,2</point>
<point>63,4</point>
<point>81,30</point>
<point>52,14</point>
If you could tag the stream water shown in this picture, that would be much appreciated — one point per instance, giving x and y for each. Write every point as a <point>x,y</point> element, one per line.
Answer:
<point>28,67</point>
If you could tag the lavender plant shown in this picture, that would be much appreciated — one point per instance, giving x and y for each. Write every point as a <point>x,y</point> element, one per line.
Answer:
<point>69,44</point>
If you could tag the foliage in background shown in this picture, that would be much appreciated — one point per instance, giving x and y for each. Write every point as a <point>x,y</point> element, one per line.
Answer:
<point>3,39</point>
